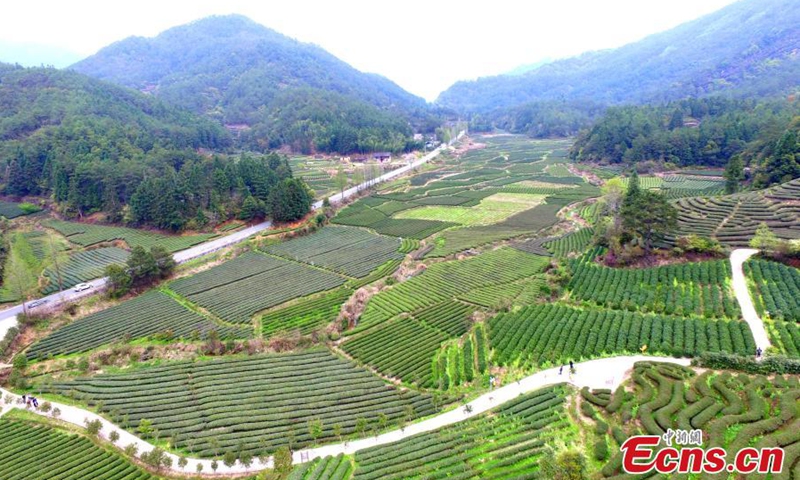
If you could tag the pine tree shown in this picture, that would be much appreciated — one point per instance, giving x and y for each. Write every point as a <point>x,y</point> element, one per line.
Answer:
<point>734,174</point>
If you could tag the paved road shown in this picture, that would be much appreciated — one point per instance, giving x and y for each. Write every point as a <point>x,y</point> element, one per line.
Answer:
<point>600,373</point>
<point>738,257</point>
<point>8,317</point>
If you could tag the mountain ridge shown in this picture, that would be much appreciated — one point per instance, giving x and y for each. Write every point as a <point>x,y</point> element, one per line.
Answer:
<point>750,46</point>
<point>237,71</point>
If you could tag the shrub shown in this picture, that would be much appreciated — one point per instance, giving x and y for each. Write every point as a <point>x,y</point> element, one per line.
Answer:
<point>93,427</point>
<point>601,449</point>
<point>768,365</point>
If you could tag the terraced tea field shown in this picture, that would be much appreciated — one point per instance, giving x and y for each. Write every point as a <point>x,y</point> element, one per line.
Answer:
<point>503,191</point>
<point>148,314</point>
<point>84,266</point>
<point>734,411</point>
<point>492,209</point>
<point>504,444</point>
<point>775,289</point>
<point>87,235</point>
<point>446,280</point>
<point>306,315</point>
<point>238,289</point>
<point>702,288</point>
<point>263,402</point>
<point>36,451</point>
<point>329,468</point>
<point>733,219</point>
<point>11,210</point>
<point>402,348</point>
<point>347,250</point>
<point>559,333</point>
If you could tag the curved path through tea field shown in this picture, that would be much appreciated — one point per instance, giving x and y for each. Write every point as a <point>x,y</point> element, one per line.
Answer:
<point>600,373</point>
<point>738,257</point>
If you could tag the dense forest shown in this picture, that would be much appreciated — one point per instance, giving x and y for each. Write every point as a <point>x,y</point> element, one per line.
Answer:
<point>308,120</point>
<point>241,73</point>
<point>748,48</point>
<point>705,131</point>
<point>545,119</point>
<point>96,147</point>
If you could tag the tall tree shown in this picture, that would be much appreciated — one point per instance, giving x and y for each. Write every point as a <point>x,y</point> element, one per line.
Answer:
<point>142,267</point>
<point>341,180</point>
<point>734,174</point>
<point>649,217</point>
<point>290,200</point>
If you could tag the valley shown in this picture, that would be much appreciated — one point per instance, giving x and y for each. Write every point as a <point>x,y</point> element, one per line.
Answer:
<point>229,253</point>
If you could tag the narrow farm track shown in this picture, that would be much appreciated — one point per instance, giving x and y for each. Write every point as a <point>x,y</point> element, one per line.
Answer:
<point>600,373</point>
<point>738,257</point>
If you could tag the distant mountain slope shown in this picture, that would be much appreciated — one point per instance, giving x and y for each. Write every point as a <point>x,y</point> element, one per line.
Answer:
<point>40,105</point>
<point>752,46</point>
<point>235,70</point>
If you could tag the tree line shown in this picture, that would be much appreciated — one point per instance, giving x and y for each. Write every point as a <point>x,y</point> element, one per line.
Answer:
<point>700,131</point>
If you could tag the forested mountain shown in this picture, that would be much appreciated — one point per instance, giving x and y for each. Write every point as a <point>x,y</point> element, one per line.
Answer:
<point>750,48</point>
<point>703,131</point>
<point>241,73</point>
<point>97,147</point>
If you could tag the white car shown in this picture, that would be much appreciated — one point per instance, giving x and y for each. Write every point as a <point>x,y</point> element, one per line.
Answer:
<point>82,286</point>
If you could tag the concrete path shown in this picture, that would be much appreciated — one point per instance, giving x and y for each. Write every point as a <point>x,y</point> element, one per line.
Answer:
<point>738,257</point>
<point>600,373</point>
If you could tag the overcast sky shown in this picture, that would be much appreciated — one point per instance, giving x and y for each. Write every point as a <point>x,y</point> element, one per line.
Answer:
<point>424,46</point>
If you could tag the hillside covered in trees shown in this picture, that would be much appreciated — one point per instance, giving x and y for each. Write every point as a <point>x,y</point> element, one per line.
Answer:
<point>746,49</point>
<point>705,132</point>
<point>241,73</point>
<point>97,147</point>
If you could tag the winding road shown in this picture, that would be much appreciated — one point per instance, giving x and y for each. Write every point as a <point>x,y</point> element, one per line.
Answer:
<point>600,373</point>
<point>738,257</point>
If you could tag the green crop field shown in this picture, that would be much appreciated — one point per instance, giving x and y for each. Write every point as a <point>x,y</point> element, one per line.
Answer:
<point>504,190</point>
<point>11,210</point>
<point>405,347</point>
<point>402,348</point>
<point>306,315</point>
<point>148,314</point>
<point>775,289</point>
<point>445,281</point>
<point>504,444</point>
<point>210,407</point>
<point>573,242</point>
<point>492,209</point>
<point>327,468</point>
<point>87,235</point>
<point>558,333</point>
<point>33,451</point>
<point>733,411</point>
<point>702,288</point>
<point>521,292</point>
<point>733,219</point>
<point>84,266</point>
<point>252,282</point>
<point>347,250</point>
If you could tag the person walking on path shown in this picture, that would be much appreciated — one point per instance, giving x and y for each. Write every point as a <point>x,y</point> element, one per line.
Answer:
<point>759,352</point>
<point>561,370</point>
<point>571,366</point>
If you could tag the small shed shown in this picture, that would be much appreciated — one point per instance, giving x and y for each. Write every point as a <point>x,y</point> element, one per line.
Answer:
<point>382,156</point>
